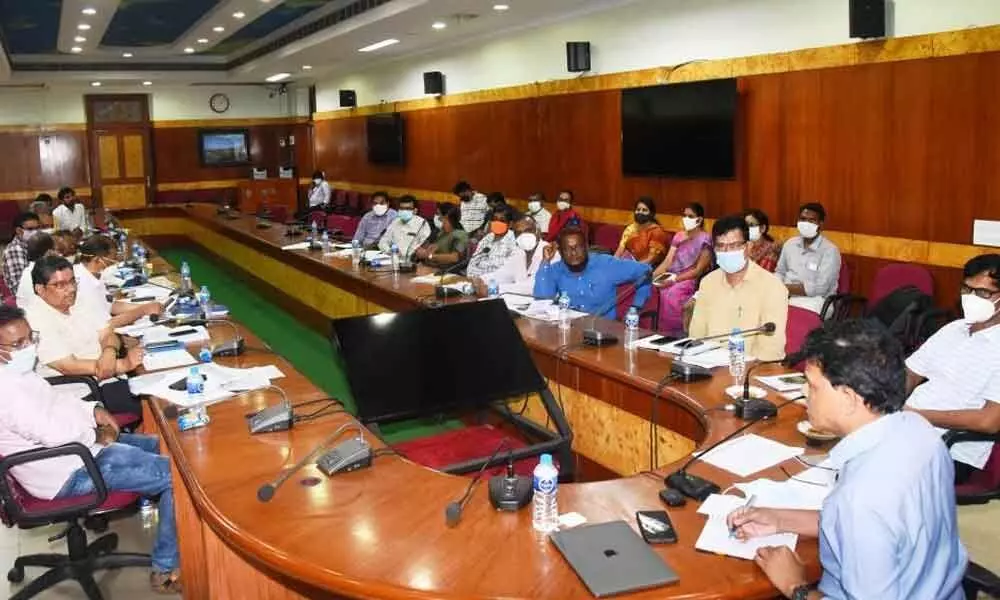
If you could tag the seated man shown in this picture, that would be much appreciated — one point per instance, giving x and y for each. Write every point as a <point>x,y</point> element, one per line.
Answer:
<point>517,274</point>
<point>887,530</point>
<point>15,255</point>
<point>495,248</point>
<point>33,414</point>
<point>740,294</point>
<point>538,212</point>
<point>590,280</point>
<point>809,263</point>
<point>59,243</point>
<point>451,244</point>
<point>953,380</point>
<point>472,206</point>
<point>96,254</point>
<point>409,231</point>
<point>70,214</point>
<point>376,221</point>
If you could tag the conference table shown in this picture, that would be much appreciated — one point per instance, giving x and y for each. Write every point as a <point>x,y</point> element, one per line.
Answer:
<point>380,532</point>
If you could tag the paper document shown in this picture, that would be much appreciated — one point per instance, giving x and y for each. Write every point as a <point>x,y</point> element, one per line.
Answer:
<point>711,359</point>
<point>517,302</point>
<point>162,281</point>
<point>749,453</point>
<point>545,310</point>
<point>220,382</point>
<point>147,291</point>
<point>343,246</point>
<point>161,333</point>
<point>432,279</point>
<point>168,359</point>
<point>135,329</point>
<point>715,538</point>
<point>787,382</point>
<point>678,347</point>
<point>297,246</point>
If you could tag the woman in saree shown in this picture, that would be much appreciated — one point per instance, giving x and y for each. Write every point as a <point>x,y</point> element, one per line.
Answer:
<point>689,257</point>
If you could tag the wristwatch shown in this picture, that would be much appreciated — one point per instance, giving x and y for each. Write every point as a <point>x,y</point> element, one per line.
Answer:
<point>801,592</point>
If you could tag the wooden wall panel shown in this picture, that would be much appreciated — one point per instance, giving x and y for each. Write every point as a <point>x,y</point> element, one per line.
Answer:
<point>35,161</point>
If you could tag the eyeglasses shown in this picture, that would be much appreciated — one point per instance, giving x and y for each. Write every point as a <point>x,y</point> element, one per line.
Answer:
<point>730,247</point>
<point>31,339</point>
<point>62,286</point>
<point>983,293</point>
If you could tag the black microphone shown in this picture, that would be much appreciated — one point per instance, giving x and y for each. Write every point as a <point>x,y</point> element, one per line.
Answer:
<point>700,488</point>
<point>689,372</point>
<point>440,290</point>
<point>453,512</point>
<point>753,409</point>
<point>592,336</point>
<point>405,264</point>
<point>267,490</point>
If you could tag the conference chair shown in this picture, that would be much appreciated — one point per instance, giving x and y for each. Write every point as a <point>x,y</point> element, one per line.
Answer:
<point>6,297</point>
<point>649,314</point>
<point>606,237</point>
<point>983,486</point>
<point>126,421</point>
<point>800,323</point>
<point>354,202</point>
<point>898,275</point>
<point>979,579</point>
<point>279,214</point>
<point>345,224</point>
<point>842,305</point>
<point>427,209</point>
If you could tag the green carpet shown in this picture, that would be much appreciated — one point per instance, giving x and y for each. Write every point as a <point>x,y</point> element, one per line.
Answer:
<point>308,351</point>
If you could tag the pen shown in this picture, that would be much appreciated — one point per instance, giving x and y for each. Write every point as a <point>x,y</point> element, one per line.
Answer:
<point>749,504</point>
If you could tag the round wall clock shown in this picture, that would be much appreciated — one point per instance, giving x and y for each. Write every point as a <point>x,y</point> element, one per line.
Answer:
<point>219,103</point>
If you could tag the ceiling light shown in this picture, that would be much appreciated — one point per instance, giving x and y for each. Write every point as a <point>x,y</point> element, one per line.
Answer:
<point>89,11</point>
<point>189,50</point>
<point>501,7</point>
<point>79,39</point>
<point>147,83</point>
<point>76,49</point>
<point>239,14</point>
<point>307,67</point>
<point>127,55</point>
<point>439,25</point>
<point>218,29</point>
<point>202,40</point>
<point>278,77</point>
<point>83,27</point>
<point>379,45</point>
<point>95,84</point>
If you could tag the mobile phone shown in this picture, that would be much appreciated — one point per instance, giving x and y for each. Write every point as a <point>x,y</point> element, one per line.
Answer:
<point>182,332</point>
<point>689,344</point>
<point>660,341</point>
<point>655,527</point>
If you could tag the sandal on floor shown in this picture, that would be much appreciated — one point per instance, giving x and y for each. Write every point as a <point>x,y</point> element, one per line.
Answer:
<point>165,582</point>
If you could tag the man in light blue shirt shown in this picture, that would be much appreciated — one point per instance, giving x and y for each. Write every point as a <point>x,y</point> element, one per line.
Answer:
<point>590,280</point>
<point>887,531</point>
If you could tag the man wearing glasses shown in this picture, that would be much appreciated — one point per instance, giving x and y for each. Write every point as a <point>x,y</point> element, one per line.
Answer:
<point>15,255</point>
<point>740,294</point>
<point>953,380</point>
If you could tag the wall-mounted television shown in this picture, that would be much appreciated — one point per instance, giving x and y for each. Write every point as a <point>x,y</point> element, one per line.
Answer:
<point>224,147</point>
<point>680,130</point>
<point>386,139</point>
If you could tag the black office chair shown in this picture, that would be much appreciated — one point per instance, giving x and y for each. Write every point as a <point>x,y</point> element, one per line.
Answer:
<point>978,580</point>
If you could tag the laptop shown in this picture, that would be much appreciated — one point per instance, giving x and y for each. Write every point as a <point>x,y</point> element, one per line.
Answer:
<point>612,559</point>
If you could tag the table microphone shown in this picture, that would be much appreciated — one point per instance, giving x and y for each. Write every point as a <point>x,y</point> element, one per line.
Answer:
<point>699,488</point>
<point>453,512</point>
<point>592,336</point>
<point>267,491</point>
<point>688,372</point>
<point>754,409</point>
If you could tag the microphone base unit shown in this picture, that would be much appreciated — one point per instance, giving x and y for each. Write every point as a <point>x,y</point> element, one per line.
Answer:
<point>441,291</point>
<point>407,268</point>
<point>593,337</point>
<point>692,486</point>
<point>510,494</point>
<point>350,455</point>
<point>271,419</point>
<point>755,409</point>
<point>688,372</point>
<point>232,348</point>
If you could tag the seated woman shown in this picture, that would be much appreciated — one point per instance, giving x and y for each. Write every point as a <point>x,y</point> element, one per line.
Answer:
<point>762,248</point>
<point>452,242</point>
<point>644,240</point>
<point>689,258</point>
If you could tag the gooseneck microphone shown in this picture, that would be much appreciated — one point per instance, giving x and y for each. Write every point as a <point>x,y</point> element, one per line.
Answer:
<point>267,491</point>
<point>688,372</point>
<point>453,512</point>
<point>592,336</point>
<point>753,409</point>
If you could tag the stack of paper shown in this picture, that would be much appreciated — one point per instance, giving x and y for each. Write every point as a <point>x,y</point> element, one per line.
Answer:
<point>680,346</point>
<point>135,329</point>
<point>544,310</point>
<point>162,333</point>
<point>168,359</point>
<point>147,291</point>
<point>750,453</point>
<point>715,537</point>
<point>296,246</point>
<point>220,382</point>
<point>162,281</point>
<point>786,382</point>
<point>432,279</point>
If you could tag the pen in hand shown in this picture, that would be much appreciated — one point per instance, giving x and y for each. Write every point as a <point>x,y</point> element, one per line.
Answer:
<point>748,504</point>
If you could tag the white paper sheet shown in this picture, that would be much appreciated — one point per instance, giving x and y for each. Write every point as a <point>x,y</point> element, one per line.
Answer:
<point>161,333</point>
<point>715,538</point>
<point>517,302</point>
<point>162,281</point>
<point>135,329</point>
<point>221,382</point>
<point>432,279</point>
<point>146,291</point>
<point>545,310</point>
<point>786,382</point>
<point>676,348</point>
<point>749,454</point>
<point>168,359</point>
<point>297,246</point>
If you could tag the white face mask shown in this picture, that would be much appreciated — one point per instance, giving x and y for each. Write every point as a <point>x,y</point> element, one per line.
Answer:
<point>22,361</point>
<point>380,209</point>
<point>437,221</point>
<point>562,205</point>
<point>732,261</point>
<point>28,234</point>
<point>689,223</point>
<point>534,206</point>
<point>808,230</point>
<point>317,181</point>
<point>754,233</point>
<point>976,309</point>
<point>527,241</point>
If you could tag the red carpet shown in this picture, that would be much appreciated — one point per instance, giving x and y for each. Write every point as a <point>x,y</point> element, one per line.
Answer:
<point>454,446</point>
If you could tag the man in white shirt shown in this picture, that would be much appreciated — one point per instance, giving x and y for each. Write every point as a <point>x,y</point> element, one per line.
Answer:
<point>409,231</point>
<point>59,243</point>
<point>538,212</point>
<point>472,205</point>
<point>71,214</point>
<point>809,265</point>
<point>517,274</point>
<point>953,380</point>
<point>496,247</point>
<point>319,193</point>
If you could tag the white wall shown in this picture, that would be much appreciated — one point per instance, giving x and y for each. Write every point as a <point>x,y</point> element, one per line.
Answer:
<point>65,104</point>
<point>643,34</point>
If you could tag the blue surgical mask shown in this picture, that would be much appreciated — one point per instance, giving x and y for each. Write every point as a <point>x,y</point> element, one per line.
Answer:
<point>405,215</point>
<point>731,262</point>
<point>22,361</point>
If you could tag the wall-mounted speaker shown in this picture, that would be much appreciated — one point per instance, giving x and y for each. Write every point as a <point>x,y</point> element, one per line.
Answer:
<point>433,82</point>
<point>578,57</point>
<point>348,98</point>
<point>867,18</point>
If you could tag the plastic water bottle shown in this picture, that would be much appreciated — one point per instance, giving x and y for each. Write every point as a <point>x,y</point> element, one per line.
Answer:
<point>355,252</point>
<point>327,248</point>
<point>204,298</point>
<point>196,399</point>
<point>147,513</point>
<point>545,513</point>
<point>492,288</point>
<point>632,319</point>
<point>737,356</point>
<point>564,310</point>
<point>205,354</point>
<point>186,285</point>
<point>394,253</point>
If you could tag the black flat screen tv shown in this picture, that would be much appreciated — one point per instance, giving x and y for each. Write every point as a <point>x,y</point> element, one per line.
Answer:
<point>432,361</point>
<point>386,139</point>
<point>224,147</point>
<point>680,130</point>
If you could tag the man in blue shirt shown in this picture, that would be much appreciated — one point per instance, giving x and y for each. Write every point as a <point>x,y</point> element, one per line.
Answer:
<point>590,280</point>
<point>887,531</point>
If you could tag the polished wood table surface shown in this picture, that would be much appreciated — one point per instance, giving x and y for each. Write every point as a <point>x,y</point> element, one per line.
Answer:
<point>381,532</point>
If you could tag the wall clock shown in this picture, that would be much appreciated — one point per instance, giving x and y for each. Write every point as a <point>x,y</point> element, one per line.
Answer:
<point>219,103</point>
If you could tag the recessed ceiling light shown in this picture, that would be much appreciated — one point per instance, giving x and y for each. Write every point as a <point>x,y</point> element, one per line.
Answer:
<point>501,7</point>
<point>189,50</point>
<point>76,49</point>
<point>95,84</point>
<point>127,55</point>
<point>89,11</point>
<point>79,39</point>
<point>379,45</point>
<point>147,83</point>
<point>83,27</point>
<point>218,29</point>
<point>278,77</point>
<point>439,25</point>
<point>202,40</point>
<point>239,14</point>
<point>307,67</point>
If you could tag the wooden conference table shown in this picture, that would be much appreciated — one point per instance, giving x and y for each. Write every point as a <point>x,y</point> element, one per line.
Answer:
<point>381,532</point>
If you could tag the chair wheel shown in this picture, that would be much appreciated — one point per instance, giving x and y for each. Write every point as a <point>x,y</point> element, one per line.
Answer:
<point>15,575</point>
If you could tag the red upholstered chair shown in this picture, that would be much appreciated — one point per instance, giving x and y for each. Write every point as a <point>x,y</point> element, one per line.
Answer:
<point>427,209</point>
<point>279,214</point>
<point>354,201</point>
<point>21,509</point>
<point>842,305</point>
<point>345,224</point>
<point>6,297</point>
<point>318,217</point>
<point>897,275</point>
<point>649,314</point>
<point>800,322</point>
<point>606,236</point>
<point>126,421</point>
<point>982,486</point>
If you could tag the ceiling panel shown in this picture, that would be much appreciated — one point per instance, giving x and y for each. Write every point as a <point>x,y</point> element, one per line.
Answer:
<point>30,26</point>
<point>267,23</point>
<point>142,23</point>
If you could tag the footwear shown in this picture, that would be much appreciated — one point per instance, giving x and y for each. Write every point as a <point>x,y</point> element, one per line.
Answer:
<point>165,582</point>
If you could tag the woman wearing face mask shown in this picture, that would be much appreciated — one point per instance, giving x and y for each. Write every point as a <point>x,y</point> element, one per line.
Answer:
<point>689,258</point>
<point>452,242</point>
<point>644,240</point>
<point>566,216</point>
<point>319,193</point>
<point>762,248</point>
<point>496,247</point>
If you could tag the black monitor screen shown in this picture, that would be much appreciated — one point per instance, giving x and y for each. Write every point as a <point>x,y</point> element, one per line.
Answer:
<point>224,148</point>
<point>386,140</point>
<point>680,130</point>
<point>424,362</point>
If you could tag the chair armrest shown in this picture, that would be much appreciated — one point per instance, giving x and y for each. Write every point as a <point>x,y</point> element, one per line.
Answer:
<point>86,380</point>
<point>86,504</point>
<point>954,436</point>
<point>847,300</point>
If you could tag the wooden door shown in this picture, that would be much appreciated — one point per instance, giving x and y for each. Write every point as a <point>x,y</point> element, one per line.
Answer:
<point>120,157</point>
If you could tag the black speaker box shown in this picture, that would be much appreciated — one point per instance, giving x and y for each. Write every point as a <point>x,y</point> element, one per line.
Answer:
<point>578,57</point>
<point>348,98</point>
<point>434,82</point>
<point>867,18</point>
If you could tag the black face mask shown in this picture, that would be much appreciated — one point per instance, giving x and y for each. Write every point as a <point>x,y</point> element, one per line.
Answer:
<point>464,198</point>
<point>643,218</point>
<point>580,267</point>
